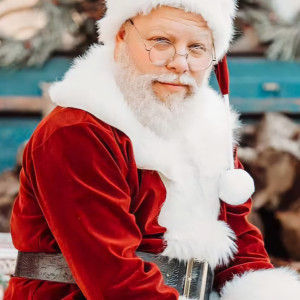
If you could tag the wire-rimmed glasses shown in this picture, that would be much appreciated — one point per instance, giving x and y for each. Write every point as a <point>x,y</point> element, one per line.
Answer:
<point>162,52</point>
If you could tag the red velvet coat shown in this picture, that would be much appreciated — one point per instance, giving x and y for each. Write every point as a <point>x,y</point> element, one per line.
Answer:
<point>82,194</point>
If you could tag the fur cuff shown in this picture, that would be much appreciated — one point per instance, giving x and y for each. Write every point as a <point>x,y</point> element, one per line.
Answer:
<point>271,284</point>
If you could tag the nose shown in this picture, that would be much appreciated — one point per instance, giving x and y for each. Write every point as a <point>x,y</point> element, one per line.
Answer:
<point>178,64</point>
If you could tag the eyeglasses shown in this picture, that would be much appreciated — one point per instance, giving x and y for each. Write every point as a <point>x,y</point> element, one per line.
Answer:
<point>162,52</point>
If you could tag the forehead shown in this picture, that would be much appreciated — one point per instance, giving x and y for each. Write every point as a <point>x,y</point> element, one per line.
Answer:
<point>169,18</point>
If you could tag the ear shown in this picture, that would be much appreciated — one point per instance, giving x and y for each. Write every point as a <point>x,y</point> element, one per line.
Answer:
<point>120,37</point>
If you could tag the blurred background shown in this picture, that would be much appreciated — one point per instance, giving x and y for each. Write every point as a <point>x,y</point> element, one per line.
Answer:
<point>39,39</point>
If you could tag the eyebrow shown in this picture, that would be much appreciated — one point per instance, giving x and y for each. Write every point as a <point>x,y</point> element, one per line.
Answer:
<point>173,35</point>
<point>157,30</point>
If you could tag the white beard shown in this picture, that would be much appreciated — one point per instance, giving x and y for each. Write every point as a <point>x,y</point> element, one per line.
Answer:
<point>162,117</point>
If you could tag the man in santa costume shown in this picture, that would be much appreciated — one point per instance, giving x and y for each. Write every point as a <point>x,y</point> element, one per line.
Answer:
<point>136,159</point>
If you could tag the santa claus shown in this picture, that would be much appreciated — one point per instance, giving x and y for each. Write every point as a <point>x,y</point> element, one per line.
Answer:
<point>127,190</point>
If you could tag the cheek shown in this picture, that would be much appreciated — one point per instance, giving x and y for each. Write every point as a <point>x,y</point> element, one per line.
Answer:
<point>140,58</point>
<point>201,77</point>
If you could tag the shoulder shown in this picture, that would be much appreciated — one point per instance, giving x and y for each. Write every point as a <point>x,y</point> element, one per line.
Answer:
<point>80,139</point>
<point>76,121</point>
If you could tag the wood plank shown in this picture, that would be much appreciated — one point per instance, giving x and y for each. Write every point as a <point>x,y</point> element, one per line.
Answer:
<point>26,82</point>
<point>21,104</point>
<point>36,105</point>
<point>264,105</point>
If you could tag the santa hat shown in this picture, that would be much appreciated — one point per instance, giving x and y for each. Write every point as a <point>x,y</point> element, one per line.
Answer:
<point>219,15</point>
<point>236,185</point>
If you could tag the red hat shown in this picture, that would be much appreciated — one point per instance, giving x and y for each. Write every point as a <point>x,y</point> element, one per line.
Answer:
<point>236,185</point>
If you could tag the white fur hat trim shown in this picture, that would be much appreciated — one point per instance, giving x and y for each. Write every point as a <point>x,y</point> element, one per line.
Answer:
<point>219,15</point>
<point>236,186</point>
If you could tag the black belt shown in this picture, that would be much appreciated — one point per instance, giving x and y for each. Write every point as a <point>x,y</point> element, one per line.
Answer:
<point>192,279</point>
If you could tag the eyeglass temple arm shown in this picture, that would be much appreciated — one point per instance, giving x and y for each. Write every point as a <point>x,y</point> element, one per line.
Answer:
<point>214,53</point>
<point>131,22</point>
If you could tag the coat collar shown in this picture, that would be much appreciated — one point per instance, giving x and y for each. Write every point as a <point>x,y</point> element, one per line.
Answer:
<point>189,163</point>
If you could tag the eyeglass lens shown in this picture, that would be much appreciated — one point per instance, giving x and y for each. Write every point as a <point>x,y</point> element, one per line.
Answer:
<point>161,53</point>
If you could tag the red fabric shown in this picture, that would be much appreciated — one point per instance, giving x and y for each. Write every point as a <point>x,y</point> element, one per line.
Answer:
<point>222,74</point>
<point>251,251</point>
<point>82,194</point>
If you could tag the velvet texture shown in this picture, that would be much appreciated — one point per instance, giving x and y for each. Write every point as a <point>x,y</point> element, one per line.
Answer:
<point>82,194</point>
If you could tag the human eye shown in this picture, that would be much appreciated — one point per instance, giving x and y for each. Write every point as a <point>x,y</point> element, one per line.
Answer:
<point>198,48</point>
<point>161,40</point>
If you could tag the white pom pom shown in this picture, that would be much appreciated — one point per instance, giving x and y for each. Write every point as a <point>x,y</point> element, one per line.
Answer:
<point>236,186</point>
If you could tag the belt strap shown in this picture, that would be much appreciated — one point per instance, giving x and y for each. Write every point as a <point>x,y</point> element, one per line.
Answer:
<point>43,266</point>
<point>193,279</point>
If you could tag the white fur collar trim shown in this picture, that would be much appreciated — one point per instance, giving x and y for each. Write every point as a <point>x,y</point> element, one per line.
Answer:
<point>190,166</point>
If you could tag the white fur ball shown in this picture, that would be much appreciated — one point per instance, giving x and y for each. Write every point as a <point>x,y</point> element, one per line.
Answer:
<point>236,186</point>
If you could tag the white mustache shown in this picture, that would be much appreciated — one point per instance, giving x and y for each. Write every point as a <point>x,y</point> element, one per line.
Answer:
<point>173,78</point>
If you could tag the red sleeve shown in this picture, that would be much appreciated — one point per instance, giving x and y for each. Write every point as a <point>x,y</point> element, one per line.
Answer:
<point>85,199</point>
<point>251,253</point>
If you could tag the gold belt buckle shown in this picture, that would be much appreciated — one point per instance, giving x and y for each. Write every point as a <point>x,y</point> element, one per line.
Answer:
<point>188,279</point>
